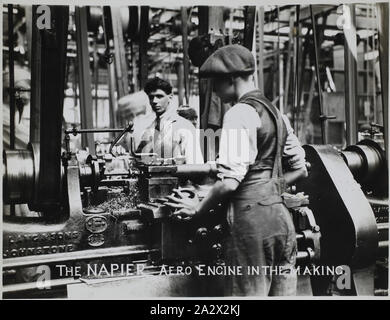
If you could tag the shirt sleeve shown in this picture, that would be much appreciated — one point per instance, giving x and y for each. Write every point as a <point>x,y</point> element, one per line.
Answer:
<point>238,147</point>
<point>293,153</point>
<point>238,143</point>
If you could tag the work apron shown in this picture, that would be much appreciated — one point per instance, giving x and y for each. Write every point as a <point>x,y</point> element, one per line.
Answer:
<point>262,236</point>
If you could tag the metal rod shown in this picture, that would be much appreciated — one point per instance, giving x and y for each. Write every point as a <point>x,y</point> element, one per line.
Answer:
<point>112,96</point>
<point>350,77</point>
<point>300,236</point>
<point>295,113</point>
<point>120,62</point>
<point>77,131</point>
<point>381,292</point>
<point>280,67</point>
<point>11,84</point>
<point>116,173</point>
<point>96,78</point>
<point>180,82</point>
<point>383,244</point>
<point>35,65</point>
<point>110,66</point>
<point>11,75</point>
<point>184,23</point>
<point>84,76</point>
<point>45,259</point>
<point>186,170</point>
<point>378,202</point>
<point>302,255</point>
<point>383,226</point>
<point>260,68</point>
<point>134,68</point>
<point>128,129</point>
<point>317,69</point>
<point>383,248</point>
<point>383,31</point>
<point>249,26</point>
<point>143,45</point>
<point>290,49</point>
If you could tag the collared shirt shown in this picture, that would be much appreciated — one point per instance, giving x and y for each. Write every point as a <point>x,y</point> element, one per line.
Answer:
<point>238,147</point>
<point>177,138</point>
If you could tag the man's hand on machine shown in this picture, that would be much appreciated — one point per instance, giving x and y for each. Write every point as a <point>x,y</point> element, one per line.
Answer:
<point>184,202</point>
<point>190,207</point>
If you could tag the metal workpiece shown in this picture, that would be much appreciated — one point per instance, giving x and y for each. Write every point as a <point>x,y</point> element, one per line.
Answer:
<point>368,164</point>
<point>18,176</point>
<point>21,175</point>
<point>190,170</point>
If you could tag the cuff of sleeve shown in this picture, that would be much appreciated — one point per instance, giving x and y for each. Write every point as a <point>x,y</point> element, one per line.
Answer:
<point>223,176</point>
<point>226,171</point>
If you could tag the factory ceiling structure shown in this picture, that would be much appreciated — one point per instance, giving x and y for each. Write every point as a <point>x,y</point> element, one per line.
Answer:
<point>161,52</point>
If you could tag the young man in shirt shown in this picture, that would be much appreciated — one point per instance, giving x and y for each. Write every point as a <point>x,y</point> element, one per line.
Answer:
<point>170,135</point>
<point>255,140</point>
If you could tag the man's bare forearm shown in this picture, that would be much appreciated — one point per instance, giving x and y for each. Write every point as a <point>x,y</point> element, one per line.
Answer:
<point>292,177</point>
<point>219,193</point>
<point>221,190</point>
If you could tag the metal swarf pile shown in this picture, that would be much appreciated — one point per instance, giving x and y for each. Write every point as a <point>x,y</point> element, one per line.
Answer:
<point>120,201</point>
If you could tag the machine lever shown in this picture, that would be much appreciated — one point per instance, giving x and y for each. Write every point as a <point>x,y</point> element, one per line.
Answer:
<point>129,129</point>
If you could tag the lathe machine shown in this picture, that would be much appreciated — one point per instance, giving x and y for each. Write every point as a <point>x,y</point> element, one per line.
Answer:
<point>111,209</point>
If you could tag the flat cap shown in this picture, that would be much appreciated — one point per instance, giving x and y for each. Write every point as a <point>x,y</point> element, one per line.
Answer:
<point>227,61</point>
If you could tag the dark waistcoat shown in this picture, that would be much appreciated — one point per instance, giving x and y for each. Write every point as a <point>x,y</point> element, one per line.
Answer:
<point>266,134</point>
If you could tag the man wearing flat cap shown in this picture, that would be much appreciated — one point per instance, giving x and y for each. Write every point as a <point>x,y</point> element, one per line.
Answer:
<point>259,155</point>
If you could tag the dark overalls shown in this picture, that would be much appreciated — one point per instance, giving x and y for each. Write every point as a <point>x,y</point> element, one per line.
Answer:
<point>262,233</point>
